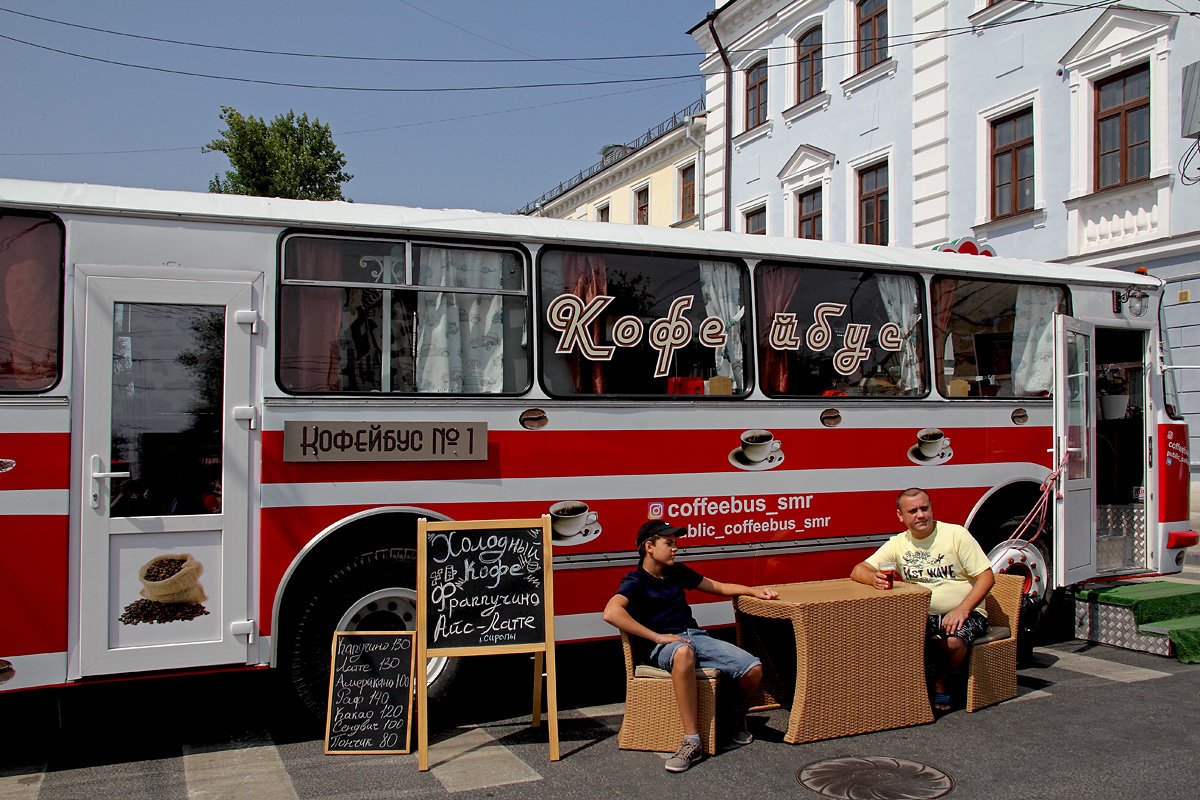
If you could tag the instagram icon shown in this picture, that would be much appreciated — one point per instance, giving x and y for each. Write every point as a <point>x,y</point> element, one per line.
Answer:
<point>655,510</point>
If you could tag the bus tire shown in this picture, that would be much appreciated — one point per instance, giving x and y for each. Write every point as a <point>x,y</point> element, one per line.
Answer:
<point>368,591</point>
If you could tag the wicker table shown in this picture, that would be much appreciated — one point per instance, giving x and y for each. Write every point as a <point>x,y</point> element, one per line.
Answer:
<point>859,655</point>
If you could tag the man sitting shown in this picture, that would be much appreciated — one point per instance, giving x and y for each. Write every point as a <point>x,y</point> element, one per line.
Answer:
<point>948,560</point>
<point>650,604</point>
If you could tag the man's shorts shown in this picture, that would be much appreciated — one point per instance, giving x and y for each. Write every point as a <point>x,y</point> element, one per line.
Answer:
<point>974,626</point>
<point>711,653</point>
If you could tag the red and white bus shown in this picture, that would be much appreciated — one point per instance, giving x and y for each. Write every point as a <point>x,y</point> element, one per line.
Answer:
<point>221,417</point>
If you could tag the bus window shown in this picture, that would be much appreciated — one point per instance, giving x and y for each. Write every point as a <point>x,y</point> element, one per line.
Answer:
<point>31,256</point>
<point>640,324</point>
<point>826,332</point>
<point>451,320</point>
<point>994,339</point>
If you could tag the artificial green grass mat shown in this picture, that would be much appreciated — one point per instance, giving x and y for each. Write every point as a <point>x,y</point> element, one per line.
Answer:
<point>1184,633</point>
<point>1151,602</point>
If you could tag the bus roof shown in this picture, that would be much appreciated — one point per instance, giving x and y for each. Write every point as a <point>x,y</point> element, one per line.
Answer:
<point>239,209</point>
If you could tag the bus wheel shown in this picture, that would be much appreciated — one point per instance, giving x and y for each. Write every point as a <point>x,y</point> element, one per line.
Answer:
<point>368,592</point>
<point>1030,561</point>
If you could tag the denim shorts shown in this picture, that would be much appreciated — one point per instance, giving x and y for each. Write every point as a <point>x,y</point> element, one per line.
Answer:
<point>974,626</point>
<point>711,653</point>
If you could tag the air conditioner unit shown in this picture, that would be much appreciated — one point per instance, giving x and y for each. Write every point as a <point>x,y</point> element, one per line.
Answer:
<point>1191,101</point>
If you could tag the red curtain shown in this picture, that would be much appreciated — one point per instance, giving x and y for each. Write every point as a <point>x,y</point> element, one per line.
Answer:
<point>584,276</point>
<point>30,255</point>
<point>309,360</point>
<point>944,291</point>
<point>778,286</point>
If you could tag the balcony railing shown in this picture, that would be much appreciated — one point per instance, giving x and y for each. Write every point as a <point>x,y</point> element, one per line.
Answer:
<point>657,132</point>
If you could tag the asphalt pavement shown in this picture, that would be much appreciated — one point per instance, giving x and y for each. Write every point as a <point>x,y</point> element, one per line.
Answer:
<point>1090,721</point>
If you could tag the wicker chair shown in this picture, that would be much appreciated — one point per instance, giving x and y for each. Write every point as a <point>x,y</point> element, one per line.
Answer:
<point>651,715</point>
<point>992,672</point>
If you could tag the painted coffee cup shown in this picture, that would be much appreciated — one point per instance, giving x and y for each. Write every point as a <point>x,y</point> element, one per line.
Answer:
<point>932,442</point>
<point>569,517</point>
<point>757,444</point>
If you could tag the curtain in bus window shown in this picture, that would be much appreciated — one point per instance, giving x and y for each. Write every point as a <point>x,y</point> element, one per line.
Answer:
<point>585,277</point>
<point>721,285</point>
<point>900,301</point>
<point>944,290</point>
<point>1033,340</point>
<point>459,335</point>
<point>30,254</point>
<point>310,322</point>
<point>778,288</point>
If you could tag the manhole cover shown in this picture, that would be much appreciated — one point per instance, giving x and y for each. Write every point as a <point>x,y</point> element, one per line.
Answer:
<point>855,778</point>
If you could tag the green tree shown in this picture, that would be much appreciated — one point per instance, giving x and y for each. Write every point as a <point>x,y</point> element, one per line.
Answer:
<point>288,157</point>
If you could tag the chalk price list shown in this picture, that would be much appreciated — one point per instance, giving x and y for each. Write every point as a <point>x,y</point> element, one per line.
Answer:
<point>370,693</point>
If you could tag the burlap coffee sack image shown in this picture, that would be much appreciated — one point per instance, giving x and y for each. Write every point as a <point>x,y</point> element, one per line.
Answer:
<point>173,578</point>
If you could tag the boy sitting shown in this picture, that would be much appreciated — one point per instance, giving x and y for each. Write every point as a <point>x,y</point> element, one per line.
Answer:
<point>651,604</point>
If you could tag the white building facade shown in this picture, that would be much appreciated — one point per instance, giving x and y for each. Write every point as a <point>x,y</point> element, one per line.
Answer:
<point>1043,130</point>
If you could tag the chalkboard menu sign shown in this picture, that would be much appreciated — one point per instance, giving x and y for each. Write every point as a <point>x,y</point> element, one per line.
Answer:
<point>486,586</point>
<point>370,692</point>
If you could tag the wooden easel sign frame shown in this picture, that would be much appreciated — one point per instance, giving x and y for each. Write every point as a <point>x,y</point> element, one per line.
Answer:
<point>370,692</point>
<point>484,587</point>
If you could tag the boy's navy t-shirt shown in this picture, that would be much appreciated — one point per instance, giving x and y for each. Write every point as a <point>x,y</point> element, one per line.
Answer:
<point>660,603</point>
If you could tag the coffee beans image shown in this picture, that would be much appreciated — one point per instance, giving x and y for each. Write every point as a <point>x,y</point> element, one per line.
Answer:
<point>171,591</point>
<point>151,611</point>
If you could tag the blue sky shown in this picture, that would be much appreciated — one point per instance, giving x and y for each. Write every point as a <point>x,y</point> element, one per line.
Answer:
<point>67,118</point>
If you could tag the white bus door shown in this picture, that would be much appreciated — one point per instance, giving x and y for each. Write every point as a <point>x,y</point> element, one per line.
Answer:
<point>1075,439</point>
<point>166,420</point>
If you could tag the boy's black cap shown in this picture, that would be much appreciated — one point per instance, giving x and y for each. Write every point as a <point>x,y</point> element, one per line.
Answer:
<point>657,527</point>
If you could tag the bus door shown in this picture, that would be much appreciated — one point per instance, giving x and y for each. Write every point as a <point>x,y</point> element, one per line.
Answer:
<point>165,460</point>
<point>1074,451</point>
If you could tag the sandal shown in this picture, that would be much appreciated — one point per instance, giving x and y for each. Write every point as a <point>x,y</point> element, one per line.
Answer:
<point>941,701</point>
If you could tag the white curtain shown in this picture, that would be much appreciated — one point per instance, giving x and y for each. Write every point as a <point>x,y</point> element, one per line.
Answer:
<point>1033,340</point>
<point>899,295</point>
<point>460,335</point>
<point>722,289</point>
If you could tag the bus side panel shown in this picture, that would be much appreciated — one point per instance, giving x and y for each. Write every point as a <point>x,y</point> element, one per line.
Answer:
<point>34,479</point>
<point>728,538</point>
<point>1174,474</point>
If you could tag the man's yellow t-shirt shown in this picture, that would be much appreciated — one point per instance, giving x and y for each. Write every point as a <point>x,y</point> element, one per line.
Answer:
<point>944,561</point>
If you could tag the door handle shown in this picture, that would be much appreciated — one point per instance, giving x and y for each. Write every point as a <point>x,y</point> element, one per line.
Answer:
<point>98,474</point>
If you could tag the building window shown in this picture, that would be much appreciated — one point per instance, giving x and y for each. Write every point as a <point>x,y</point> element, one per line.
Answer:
<point>756,221</point>
<point>1123,128</point>
<point>873,204</point>
<point>687,192</point>
<point>809,65</point>
<point>602,214</point>
<point>1012,164</point>
<point>872,33</point>
<point>756,95</point>
<point>809,223</point>
<point>641,199</point>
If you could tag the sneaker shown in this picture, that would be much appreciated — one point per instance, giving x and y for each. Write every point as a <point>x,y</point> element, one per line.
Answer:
<point>741,735</point>
<point>688,753</point>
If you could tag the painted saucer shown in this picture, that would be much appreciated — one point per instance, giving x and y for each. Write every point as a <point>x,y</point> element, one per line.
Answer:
<point>917,457</point>
<point>588,533</point>
<point>738,458</point>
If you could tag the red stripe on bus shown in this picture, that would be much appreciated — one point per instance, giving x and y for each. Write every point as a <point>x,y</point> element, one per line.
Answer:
<point>531,454</point>
<point>286,531</point>
<point>33,585</point>
<point>38,461</point>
